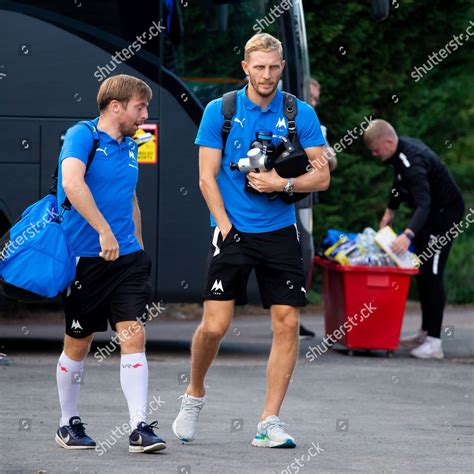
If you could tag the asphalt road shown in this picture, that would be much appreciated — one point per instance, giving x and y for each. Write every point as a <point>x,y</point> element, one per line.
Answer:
<point>366,413</point>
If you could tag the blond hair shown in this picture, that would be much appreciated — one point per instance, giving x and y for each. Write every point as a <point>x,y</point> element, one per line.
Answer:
<point>122,87</point>
<point>378,129</point>
<point>262,42</point>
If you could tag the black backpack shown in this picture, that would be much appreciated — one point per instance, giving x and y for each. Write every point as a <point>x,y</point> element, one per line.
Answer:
<point>290,107</point>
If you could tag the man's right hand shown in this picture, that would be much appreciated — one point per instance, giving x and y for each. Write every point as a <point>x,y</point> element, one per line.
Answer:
<point>225,231</point>
<point>109,246</point>
<point>387,218</point>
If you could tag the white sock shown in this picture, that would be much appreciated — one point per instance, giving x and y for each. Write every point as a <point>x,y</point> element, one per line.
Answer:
<point>68,376</point>
<point>134,381</point>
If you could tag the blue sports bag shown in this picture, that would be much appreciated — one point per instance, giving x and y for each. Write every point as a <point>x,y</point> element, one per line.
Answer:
<point>36,263</point>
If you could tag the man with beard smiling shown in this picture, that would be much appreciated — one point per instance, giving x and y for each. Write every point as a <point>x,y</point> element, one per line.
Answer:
<point>250,231</point>
<point>112,274</point>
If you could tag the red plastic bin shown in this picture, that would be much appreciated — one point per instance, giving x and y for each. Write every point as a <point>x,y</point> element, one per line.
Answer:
<point>377,295</point>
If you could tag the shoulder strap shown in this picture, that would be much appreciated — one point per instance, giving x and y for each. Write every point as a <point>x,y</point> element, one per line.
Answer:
<point>66,205</point>
<point>229,100</point>
<point>290,106</point>
<point>95,134</point>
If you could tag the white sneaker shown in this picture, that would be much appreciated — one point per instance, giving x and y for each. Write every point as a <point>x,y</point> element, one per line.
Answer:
<point>270,434</point>
<point>430,349</point>
<point>185,424</point>
<point>415,340</point>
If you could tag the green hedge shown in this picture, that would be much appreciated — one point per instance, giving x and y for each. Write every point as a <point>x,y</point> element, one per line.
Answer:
<point>365,68</point>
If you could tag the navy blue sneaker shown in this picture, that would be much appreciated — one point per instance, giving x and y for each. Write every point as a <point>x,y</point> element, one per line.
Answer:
<point>144,440</point>
<point>73,436</point>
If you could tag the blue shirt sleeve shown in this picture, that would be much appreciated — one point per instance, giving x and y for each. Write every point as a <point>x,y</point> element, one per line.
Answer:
<point>210,129</point>
<point>78,143</point>
<point>308,128</point>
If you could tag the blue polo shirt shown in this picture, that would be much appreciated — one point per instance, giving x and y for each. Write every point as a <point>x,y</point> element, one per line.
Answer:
<point>250,212</point>
<point>112,179</point>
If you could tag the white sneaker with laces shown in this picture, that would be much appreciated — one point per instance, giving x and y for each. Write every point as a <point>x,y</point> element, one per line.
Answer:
<point>414,340</point>
<point>185,424</point>
<point>270,434</point>
<point>430,349</point>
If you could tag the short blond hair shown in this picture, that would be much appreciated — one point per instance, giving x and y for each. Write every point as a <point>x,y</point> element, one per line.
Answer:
<point>378,129</point>
<point>262,42</point>
<point>122,87</point>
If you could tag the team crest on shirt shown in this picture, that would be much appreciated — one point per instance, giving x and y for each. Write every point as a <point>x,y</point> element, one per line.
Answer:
<point>281,123</point>
<point>281,128</point>
<point>133,159</point>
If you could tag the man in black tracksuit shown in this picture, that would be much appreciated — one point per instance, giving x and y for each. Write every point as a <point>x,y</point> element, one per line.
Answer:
<point>424,183</point>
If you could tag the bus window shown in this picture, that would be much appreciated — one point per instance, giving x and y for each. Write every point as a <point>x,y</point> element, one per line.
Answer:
<point>215,33</point>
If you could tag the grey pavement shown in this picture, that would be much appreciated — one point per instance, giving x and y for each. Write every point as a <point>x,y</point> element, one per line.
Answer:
<point>366,413</point>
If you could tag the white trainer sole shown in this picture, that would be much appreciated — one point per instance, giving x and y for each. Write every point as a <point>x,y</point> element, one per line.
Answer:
<point>437,356</point>
<point>65,446</point>
<point>266,443</point>
<point>149,449</point>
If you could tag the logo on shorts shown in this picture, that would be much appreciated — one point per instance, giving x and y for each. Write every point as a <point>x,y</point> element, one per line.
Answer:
<point>132,366</point>
<point>75,325</point>
<point>217,287</point>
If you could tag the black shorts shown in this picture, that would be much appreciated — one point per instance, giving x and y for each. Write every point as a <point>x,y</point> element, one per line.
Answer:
<point>107,291</point>
<point>276,257</point>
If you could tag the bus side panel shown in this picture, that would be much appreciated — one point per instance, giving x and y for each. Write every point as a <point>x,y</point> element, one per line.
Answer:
<point>147,193</point>
<point>19,141</point>
<point>20,188</point>
<point>52,73</point>
<point>183,231</point>
<point>19,168</point>
<point>51,131</point>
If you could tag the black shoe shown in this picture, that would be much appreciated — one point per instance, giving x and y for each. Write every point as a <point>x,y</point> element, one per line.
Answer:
<point>73,436</point>
<point>306,333</point>
<point>144,440</point>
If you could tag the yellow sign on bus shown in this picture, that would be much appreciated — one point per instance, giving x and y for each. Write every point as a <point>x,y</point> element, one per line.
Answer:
<point>146,138</point>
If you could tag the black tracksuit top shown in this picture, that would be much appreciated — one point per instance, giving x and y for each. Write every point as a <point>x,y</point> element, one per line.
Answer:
<point>422,181</point>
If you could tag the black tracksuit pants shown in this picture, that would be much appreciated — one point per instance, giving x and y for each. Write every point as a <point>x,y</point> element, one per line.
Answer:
<point>433,257</point>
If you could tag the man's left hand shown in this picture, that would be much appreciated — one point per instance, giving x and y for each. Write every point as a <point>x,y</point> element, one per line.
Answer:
<point>401,244</point>
<point>267,181</point>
